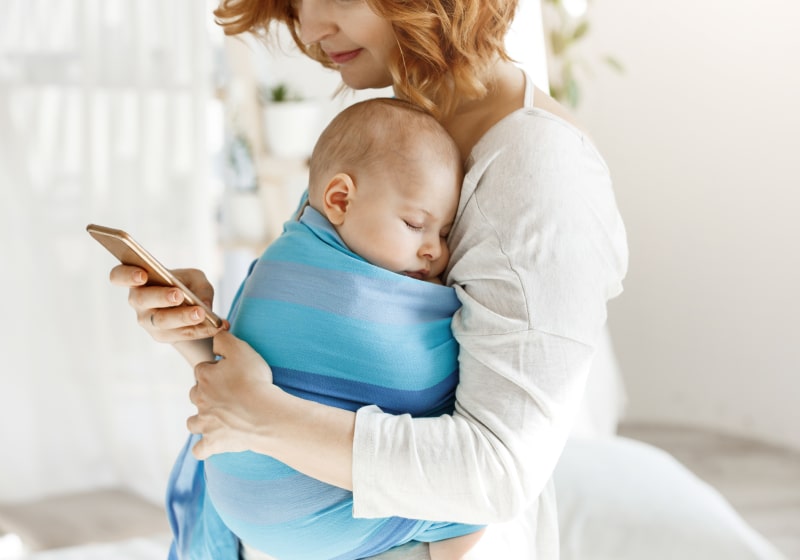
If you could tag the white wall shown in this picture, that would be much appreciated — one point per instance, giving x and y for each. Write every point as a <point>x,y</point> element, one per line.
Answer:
<point>701,135</point>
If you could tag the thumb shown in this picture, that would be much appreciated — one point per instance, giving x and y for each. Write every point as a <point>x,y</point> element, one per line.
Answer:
<point>223,342</point>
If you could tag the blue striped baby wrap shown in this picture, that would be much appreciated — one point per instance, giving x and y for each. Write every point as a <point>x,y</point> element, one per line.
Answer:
<point>337,330</point>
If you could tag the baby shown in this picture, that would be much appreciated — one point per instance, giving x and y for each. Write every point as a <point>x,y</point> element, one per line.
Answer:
<point>337,307</point>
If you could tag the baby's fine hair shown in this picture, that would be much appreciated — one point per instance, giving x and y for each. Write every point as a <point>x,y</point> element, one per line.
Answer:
<point>383,132</point>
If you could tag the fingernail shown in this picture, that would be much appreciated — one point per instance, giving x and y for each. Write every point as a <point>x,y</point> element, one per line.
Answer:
<point>195,314</point>
<point>139,277</point>
<point>174,296</point>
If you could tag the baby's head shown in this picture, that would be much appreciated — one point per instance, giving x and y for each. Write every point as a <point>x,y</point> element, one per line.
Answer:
<point>388,176</point>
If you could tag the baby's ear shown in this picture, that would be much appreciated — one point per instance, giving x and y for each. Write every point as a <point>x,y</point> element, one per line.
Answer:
<point>336,197</point>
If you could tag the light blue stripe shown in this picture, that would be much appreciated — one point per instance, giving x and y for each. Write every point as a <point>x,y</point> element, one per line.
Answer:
<point>401,357</point>
<point>251,466</point>
<point>320,246</point>
<point>267,502</point>
<point>394,300</point>
<point>336,534</point>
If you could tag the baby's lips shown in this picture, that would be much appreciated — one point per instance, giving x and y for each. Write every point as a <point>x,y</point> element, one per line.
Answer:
<point>418,274</point>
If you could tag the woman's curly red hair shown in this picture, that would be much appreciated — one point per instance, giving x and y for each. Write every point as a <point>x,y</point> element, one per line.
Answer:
<point>445,46</point>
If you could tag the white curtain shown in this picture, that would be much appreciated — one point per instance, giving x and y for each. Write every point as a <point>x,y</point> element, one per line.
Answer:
<point>103,111</point>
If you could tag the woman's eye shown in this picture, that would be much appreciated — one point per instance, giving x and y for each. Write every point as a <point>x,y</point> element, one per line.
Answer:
<point>413,226</point>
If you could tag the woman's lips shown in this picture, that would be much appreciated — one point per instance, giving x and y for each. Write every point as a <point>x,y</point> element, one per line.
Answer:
<point>343,56</point>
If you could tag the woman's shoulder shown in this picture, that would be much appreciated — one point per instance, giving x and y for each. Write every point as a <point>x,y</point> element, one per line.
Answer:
<point>544,129</point>
<point>544,102</point>
<point>542,162</point>
<point>533,143</point>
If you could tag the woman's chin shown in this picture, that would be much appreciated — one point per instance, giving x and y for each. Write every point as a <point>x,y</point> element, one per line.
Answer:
<point>364,82</point>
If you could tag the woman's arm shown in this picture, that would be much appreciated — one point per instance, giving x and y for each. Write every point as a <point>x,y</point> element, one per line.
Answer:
<point>196,351</point>
<point>537,250</point>
<point>239,409</point>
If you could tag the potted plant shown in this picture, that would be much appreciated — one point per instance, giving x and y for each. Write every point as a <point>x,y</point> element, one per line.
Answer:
<point>291,123</point>
<point>566,23</point>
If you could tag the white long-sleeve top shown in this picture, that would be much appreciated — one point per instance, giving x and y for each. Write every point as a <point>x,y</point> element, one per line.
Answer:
<point>538,248</point>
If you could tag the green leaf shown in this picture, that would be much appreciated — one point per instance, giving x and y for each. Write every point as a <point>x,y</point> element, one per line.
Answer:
<point>558,42</point>
<point>581,30</point>
<point>573,95</point>
<point>279,93</point>
<point>614,63</point>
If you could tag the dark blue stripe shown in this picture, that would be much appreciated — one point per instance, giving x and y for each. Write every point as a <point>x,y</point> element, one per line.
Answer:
<point>352,395</point>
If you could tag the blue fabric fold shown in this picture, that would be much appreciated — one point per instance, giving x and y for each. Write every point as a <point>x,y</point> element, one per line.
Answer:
<point>338,330</point>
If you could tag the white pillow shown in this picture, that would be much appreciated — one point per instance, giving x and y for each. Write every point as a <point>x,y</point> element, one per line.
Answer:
<point>620,499</point>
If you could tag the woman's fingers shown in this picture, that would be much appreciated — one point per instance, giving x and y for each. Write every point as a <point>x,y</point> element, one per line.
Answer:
<point>231,395</point>
<point>201,449</point>
<point>223,343</point>
<point>172,318</point>
<point>199,425</point>
<point>160,310</point>
<point>197,282</point>
<point>202,372</point>
<point>154,297</point>
<point>127,276</point>
<point>196,329</point>
<point>195,424</point>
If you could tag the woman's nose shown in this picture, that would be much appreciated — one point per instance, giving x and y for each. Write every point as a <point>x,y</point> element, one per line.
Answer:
<point>315,21</point>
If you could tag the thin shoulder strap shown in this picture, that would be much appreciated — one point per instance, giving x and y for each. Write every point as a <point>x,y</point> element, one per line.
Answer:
<point>529,90</point>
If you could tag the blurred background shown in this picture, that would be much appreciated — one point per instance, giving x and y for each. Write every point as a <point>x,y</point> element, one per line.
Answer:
<point>698,132</point>
<point>140,115</point>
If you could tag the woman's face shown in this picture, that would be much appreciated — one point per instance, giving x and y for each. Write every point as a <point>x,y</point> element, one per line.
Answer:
<point>358,41</point>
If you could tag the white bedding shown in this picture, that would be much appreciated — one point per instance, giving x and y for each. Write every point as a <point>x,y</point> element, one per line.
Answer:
<point>618,499</point>
<point>154,548</point>
<point>652,509</point>
<point>621,499</point>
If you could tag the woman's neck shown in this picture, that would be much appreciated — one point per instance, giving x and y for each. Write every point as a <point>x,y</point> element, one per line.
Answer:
<point>474,117</point>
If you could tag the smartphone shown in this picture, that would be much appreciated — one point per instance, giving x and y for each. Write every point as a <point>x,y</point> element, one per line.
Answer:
<point>128,251</point>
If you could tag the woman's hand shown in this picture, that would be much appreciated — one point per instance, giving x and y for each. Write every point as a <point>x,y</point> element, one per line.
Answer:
<point>240,409</point>
<point>159,310</point>
<point>234,397</point>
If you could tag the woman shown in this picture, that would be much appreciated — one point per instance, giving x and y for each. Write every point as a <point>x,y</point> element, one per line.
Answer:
<point>537,249</point>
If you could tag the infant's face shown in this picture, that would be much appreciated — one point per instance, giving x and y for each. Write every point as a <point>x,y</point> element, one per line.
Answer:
<point>399,219</point>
